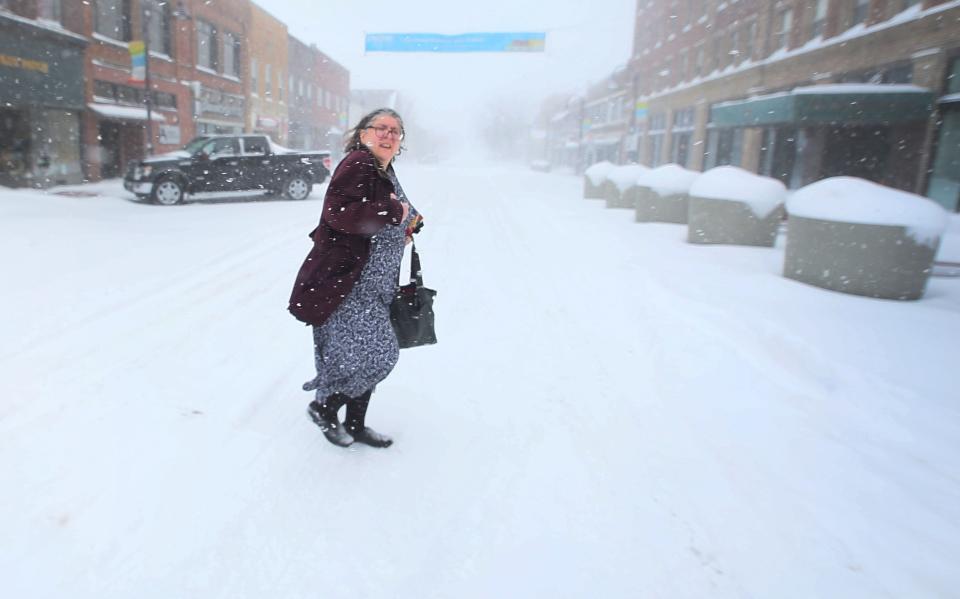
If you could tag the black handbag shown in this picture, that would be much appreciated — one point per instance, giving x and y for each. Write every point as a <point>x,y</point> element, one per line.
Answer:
<point>411,312</point>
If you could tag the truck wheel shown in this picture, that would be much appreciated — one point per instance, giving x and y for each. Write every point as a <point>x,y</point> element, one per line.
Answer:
<point>167,191</point>
<point>297,187</point>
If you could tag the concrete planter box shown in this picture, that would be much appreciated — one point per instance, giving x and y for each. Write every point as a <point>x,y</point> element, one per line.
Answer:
<point>880,261</point>
<point>610,192</point>
<point>624,199</point>
<point>730,222</point>
<point>650,206</point>
<point>591,191</point>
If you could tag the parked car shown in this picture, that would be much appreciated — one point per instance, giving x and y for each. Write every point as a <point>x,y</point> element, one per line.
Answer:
<point>540,165</point>
<point>216,163</point>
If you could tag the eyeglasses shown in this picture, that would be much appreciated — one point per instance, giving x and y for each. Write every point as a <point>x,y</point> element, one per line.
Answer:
<point>383,131</point>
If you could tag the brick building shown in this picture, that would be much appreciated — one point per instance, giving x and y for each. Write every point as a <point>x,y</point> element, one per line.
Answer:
<point>333,102</point>
<point>319,88</point>
<point>267,110</point>
<point>213,65</point>
<point>801,89</point>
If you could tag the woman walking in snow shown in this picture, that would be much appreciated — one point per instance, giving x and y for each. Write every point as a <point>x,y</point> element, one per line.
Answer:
<point>346,284</point>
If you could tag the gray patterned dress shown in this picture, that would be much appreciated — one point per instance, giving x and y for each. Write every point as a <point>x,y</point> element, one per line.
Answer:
<point>356,347</point>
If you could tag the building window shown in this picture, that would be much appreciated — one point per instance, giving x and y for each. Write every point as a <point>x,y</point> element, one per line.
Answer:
<point>783,24</point>
<point>164,100</point>
<point>860,10</point>
<point>279,86</point>
<point>207,46</point>
<point>682,134</point>
<point>231,54</point>
<point>724,146</point>
<point>267,81</point>
<point>51,10</point>
<point>112,19</point>
<point>733,55</point>
<point>698,60</point>
<point>157,16</point>
<point>953,77</point>
<point>749,39</point>
<point>254,89</point>
<point>655,137</point>
<point>819,25</point>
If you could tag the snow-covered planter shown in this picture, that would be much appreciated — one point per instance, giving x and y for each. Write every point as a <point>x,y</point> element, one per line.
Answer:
<point>623,193</point>
<point>663,194</point>
<point>594,178</point>
<point>731,205</point>
<point>854,236</point>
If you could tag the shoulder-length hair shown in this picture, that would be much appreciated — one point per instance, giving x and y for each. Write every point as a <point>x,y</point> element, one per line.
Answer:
<point>353,136</point>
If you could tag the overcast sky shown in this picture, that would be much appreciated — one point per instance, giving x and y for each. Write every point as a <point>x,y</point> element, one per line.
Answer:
<point>586,39</point>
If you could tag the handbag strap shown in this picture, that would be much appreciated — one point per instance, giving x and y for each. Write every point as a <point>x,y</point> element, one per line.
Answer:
<point>415,275</point>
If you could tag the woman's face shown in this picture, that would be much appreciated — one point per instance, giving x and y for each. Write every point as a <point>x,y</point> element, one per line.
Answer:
<point>383,136</point>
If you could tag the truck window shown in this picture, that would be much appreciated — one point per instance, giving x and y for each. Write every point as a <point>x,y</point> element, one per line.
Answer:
<point>255,145</point>
<point>221,146</point>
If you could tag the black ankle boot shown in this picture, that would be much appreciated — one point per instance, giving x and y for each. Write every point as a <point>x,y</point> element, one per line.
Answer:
<point>356,426</point>
<point>324,415</point>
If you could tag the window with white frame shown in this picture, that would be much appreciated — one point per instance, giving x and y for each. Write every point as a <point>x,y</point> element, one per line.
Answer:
<point>749,39</point>
<point>254,88</point>
<point>231,54</point>
<point>50,10</point>
<point>157,16</point>
<point>112,19</point>
<point>819,24</point>
<point>783,25</point>
<point>860,10</point>
<point>207,55</point>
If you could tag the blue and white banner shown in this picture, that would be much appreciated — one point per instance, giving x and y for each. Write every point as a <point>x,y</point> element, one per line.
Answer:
<point>465,42</point>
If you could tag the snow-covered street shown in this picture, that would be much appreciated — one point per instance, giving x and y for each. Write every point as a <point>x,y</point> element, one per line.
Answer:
<point>609,412</point>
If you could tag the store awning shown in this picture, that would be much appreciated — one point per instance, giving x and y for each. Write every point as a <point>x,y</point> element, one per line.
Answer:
<point>853,104</point>
<point>124,113</point>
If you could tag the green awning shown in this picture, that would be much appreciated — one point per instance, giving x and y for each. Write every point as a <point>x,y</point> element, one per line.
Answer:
<point>840,104</point>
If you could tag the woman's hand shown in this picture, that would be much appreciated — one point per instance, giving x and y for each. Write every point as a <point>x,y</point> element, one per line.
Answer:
<point>406,211</point>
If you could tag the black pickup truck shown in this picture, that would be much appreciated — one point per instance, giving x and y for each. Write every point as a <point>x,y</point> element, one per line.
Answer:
<point>218,163</point>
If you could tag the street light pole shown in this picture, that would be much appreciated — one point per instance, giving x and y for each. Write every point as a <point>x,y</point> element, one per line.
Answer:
<point>147,97</point>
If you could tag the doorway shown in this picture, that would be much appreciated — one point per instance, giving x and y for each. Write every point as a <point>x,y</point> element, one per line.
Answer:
<point>110,160</point>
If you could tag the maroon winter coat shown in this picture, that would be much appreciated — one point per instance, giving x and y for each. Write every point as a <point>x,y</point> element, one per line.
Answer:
<point>357,206</point>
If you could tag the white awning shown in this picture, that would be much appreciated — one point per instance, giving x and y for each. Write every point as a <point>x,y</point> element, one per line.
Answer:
<point>124,113</point>
<point>335,131</point>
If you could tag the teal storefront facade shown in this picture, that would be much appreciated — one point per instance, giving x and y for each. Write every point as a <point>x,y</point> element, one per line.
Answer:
<point>41,99</point>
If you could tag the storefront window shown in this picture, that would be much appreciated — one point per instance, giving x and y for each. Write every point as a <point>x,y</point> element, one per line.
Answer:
<point>682,135</point>
<point>945,181</point>
<point>655,137</point>
<point>724,147</point>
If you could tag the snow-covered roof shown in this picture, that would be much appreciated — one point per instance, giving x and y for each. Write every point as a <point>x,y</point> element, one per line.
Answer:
<point>731,183</point>
<point>853,200</point>
<point>124,113</point>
